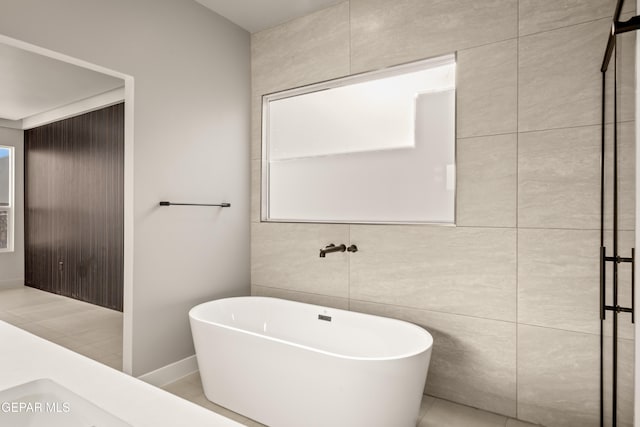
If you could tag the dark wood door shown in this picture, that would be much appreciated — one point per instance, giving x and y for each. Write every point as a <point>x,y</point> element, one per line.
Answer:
<point>74,230</point>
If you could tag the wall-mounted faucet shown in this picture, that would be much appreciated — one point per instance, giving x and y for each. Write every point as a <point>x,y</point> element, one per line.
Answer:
<point>332,248</point>
<point>340,248</point>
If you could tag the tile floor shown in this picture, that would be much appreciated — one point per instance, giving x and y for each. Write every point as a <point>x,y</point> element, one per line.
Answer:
<point>433,412</point>
<point>88,329</point>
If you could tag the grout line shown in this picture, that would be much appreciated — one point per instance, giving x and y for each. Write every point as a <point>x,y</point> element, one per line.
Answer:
<point>569,127</point>
<point>591,21</point>
<point>302,292</point>
<point>486,411</point>
<point>517,198</point>
<point>432,311</point>
<point>518,35</point>
<point>491,227</point>
<point>487,135</point>
<point>484,318</point>
<point>437,226</point>
<point>485,44</point>
<point>494,227</point>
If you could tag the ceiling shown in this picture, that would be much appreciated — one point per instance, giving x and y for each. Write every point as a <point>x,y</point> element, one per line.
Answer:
<point>256,15</point>
<point>31,83</point>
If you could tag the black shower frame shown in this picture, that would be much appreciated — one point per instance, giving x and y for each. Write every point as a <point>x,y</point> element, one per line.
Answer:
<point>617,27</point>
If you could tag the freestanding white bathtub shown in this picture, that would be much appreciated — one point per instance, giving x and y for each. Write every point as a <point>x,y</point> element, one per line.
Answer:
<point>288,364</point>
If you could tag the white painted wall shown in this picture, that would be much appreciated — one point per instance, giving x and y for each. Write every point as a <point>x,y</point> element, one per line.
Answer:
<point>12,263</point>
<point>191,143</point>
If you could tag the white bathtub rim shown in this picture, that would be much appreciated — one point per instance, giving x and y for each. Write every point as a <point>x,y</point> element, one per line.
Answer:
<point>405,355</point>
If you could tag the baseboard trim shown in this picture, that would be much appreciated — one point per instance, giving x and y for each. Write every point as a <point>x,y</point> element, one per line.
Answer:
<point>11,283</point>
<point>171,373</point>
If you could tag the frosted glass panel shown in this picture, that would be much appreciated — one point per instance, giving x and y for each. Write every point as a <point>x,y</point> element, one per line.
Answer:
<point>372,115</point>
<point>379,148</point>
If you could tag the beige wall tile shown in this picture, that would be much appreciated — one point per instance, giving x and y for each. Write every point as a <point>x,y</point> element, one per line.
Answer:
<point>303,51</point>
<point>487,89</point>
<point>627,74</point>
<point>626,177</point>
<point>256,126</point>
<point>487,181</point>
<point>472,361</point>
<point>436,276</point>
<point>559,80</point>
<point>306,50</point>
<point>386,32</point>
<point>558,377</point>
<point>559,178</point>
<point>317,299</point>
<point>558,279</point>
<point>517,423</point>
<point>459,270</point>
<point>624,69</point>
<point>256,196</point>
<point>285,256</point>
<point>625,381</point>
<point>544,15</point>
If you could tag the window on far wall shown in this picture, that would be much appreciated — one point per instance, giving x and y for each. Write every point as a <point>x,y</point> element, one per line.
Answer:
<point>6,198</point>
<point>377,147</point>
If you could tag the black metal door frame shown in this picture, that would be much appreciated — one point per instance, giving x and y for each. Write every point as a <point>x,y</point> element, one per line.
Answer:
<point>617,27</point>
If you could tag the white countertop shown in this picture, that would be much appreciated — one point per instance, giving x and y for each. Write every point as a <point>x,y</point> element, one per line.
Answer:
<point>25,357</point>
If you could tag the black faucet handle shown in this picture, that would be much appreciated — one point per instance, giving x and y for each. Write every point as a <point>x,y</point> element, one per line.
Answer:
<point>352,248</point>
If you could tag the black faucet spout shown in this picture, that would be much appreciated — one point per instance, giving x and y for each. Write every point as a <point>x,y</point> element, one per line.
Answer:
<point>332,248</point>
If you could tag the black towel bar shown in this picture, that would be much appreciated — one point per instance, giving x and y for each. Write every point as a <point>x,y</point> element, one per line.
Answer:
<point>221,205</point>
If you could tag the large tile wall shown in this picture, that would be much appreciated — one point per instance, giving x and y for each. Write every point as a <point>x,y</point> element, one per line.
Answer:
<point>510,294</point>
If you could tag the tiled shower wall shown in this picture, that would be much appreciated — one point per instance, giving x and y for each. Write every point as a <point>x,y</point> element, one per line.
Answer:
<point>510,294</point>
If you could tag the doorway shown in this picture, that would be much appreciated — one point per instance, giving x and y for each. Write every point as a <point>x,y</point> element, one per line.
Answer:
<point>65,111</point>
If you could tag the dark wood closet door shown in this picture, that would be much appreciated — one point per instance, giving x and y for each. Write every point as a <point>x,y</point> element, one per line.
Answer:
<point>74,182</point>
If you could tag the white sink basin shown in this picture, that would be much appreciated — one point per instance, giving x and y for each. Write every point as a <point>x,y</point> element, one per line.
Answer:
<point>45,403</point>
